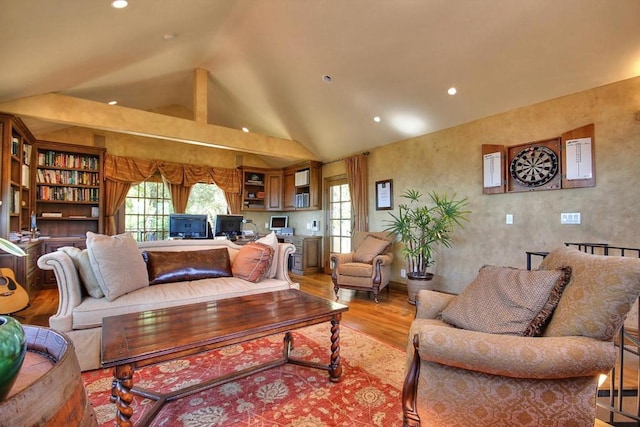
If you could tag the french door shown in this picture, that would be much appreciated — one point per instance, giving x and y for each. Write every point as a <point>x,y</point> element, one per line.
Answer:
<point>339,219</point>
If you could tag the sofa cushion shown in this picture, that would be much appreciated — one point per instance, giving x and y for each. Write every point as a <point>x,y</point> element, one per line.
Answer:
<point>369,249</point>
<point>271,240</point>
<point>252,261</point>
<point>80,258</point>
<point>166,267</point>
<point>503,300</point>
<point>599,295</point>
<point>117,264</point>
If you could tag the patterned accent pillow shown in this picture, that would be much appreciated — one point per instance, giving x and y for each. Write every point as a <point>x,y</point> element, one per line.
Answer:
<point>252,262</point>
<point>168,267</point>
<point>503,300</point>
<point>598,297</point>
<point>271,240</point>
<point>369,249</point>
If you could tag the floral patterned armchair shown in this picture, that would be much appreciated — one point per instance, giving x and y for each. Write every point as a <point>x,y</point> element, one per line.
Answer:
<point>465,376</point>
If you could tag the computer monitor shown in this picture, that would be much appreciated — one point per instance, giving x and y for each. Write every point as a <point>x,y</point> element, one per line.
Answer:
<point>188,226</point>
<point>278,222</point>
<point>229,225</point>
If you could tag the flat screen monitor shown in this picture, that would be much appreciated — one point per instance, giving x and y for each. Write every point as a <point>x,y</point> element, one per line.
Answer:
<point>229,225</point>
<point>278,222</point>
<point>188,226</point>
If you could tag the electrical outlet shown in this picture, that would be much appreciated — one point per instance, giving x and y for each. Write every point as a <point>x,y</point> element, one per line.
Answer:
<point>403,272</point>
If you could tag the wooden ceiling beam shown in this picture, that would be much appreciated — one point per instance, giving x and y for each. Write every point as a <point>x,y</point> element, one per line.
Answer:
<point>97,115</point>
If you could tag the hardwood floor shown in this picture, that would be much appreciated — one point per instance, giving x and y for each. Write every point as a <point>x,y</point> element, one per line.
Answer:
<point>387,321</point>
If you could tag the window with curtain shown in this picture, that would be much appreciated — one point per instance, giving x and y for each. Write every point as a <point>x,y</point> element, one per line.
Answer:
<point>148,205</point>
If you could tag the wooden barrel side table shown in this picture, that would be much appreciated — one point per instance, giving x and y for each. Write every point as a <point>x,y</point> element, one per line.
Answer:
<point>49,389</point>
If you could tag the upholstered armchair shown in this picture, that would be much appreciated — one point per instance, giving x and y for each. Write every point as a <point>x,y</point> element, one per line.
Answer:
<point>368,267</point>
<point>491,374</point>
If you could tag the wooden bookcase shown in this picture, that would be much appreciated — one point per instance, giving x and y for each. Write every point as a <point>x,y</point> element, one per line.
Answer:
<point>15,182</point>
<point>303,186</point>
<point>68,194</point>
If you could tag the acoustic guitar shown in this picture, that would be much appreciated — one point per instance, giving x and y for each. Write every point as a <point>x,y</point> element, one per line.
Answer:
<point>13,297</point>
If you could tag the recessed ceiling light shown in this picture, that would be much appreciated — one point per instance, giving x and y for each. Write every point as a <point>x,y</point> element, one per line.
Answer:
<point>245,129</point>
<point>327,78</point>
<point>376,119</point>
<point>119,4</point>
<point>112,102</point>
<point>452,91</point>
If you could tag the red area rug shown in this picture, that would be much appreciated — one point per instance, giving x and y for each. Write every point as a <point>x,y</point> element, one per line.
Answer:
<point>368,395</point>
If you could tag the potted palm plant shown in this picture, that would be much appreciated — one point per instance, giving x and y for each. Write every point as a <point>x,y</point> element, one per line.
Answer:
<point>421,228</point>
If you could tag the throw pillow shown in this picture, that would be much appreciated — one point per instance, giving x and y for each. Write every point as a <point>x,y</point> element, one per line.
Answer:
<point>503,300</point>
<point>81,261</point>
<point>271,240</point>
<point>252,261</point>
<point>369,249</point>
<point>166,267</point>
<point>117,264</point>
<point>599,296</point>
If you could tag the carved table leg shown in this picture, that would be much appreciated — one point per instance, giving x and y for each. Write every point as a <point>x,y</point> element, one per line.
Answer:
<point>288,345</point>
<point>335,370</point>
<point>121,394</point>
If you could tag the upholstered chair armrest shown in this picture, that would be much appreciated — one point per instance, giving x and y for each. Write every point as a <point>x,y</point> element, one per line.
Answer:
<point>342,258</point>
<point>383,259</point>
<point>429,304</point>
<point>515,356</point>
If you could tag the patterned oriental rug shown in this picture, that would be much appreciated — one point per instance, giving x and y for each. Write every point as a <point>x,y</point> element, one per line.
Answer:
<point>368,395</point>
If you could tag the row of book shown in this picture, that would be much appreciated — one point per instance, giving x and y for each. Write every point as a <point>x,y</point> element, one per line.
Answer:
<point>71,194</point>
<point>302,200</point>
<point>51,176</point>
<point>67,160</point>
<point>26,150</point>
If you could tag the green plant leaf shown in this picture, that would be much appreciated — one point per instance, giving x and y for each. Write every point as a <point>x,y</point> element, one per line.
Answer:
<point>11,248</point>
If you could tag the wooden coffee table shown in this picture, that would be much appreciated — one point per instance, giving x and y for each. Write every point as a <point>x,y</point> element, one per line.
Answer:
<point>134,340</point>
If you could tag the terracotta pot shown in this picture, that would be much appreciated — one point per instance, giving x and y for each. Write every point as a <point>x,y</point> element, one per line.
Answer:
<point>13,347</point>
<point>416,283</point>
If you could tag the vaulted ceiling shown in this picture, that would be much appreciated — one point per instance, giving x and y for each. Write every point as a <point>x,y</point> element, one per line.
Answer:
<point>267,61</point>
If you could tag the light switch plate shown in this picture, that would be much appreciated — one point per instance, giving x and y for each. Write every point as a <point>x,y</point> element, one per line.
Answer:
<point>509,219</point>
<point>570,218</point>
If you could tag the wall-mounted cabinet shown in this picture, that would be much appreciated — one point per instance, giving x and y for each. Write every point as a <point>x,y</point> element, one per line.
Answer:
<point>297,187</point>
<point>15,187</point>
<point>68,194</point>
<point>303,186</point>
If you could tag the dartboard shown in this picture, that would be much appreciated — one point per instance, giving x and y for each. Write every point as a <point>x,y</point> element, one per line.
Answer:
<point>534,166</point>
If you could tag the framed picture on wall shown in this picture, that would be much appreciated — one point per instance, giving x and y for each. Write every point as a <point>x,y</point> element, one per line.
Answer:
<point>384,195</point>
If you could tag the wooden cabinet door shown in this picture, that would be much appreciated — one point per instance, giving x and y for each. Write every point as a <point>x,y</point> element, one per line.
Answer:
<point>273,190</point>
<point>289,192</point>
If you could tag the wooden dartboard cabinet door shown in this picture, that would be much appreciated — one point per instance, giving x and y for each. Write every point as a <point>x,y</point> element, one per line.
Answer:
<point>578,159</point>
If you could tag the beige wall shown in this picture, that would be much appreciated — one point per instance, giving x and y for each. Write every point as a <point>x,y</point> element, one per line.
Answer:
<point>451,161</point>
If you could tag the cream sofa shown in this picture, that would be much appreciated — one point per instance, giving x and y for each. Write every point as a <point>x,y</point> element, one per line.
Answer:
<point>80,315</point>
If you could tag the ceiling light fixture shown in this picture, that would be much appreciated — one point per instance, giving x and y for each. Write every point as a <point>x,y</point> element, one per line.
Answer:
<point>119,4</point>
<point>376,119</point>
<point>112,102</point>
<point>245,129</point>
<point>327,78</point>
<point>452,91</point>
<point>169,36</point>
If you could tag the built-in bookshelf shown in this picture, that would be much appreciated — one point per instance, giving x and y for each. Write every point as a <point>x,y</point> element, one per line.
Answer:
<point>17,152</point>
<point>68,189</point>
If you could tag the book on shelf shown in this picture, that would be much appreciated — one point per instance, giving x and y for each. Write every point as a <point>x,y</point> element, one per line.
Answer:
<point>77,216</point>
<point>51,214</point>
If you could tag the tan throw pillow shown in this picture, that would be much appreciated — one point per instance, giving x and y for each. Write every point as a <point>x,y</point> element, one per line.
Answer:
<point>81,261</point>
<point>271,240</point>
<point>369,249</point>
<point>117,264</point>
<point>598,297</point>
<point>167,267</point>
<point>252,262</point>
<point>503,300</point>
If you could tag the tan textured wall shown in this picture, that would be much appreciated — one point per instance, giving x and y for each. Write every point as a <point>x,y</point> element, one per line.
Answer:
<point>451,161</point>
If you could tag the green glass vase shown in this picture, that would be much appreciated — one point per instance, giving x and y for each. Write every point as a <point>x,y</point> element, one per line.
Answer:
<point>13,348</point>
